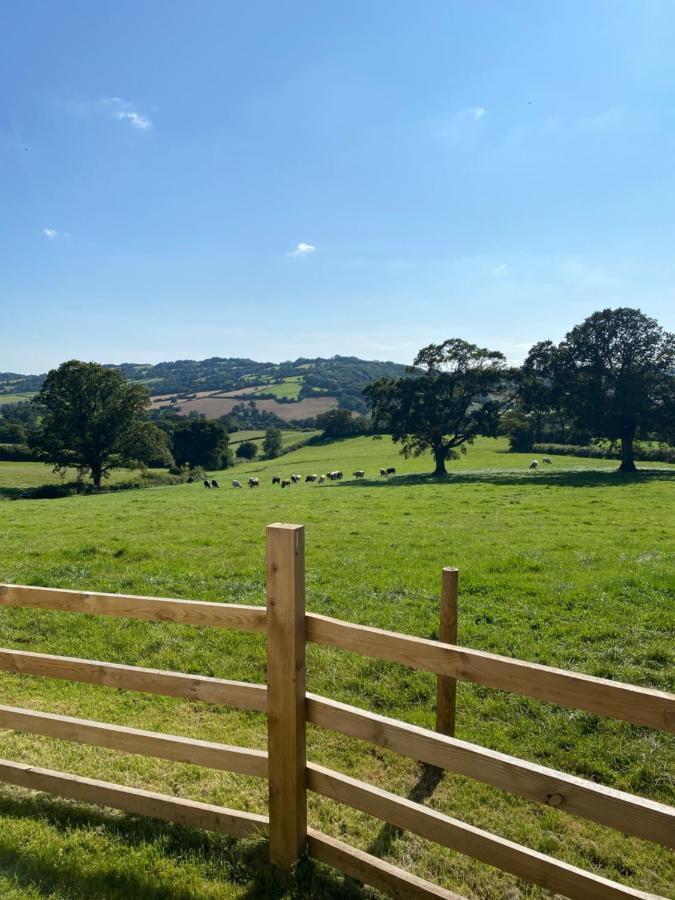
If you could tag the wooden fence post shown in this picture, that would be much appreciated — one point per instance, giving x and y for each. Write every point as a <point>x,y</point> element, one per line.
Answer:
<point>446,688</point>
<point>286,692</point>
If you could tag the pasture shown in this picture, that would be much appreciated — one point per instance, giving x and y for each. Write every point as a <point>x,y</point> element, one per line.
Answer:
<point>569,566</point>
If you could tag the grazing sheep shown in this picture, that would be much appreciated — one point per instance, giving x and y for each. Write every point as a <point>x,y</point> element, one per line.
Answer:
<point>534,464</point>
<point>322,478</point>
<point>214,483</point>
<point>547,460</point>
<point>286,483</point>
<point>276,479</point>
<point>359,473</point>
<point>253,482</point>
<point>383,473</point>
<point>391,470</point>
<point>338,475</point>
<point>207,484</point>
<point>311,478</point>
<point>236,484</point>
<point>296,478</point>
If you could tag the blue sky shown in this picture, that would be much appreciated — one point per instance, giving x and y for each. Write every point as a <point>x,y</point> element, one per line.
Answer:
<point>273,180</point>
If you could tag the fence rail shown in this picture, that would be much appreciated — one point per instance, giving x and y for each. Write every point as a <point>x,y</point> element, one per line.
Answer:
<point>289,707</point>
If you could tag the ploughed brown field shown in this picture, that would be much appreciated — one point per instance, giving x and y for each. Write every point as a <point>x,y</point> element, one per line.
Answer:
<point>219,405</point>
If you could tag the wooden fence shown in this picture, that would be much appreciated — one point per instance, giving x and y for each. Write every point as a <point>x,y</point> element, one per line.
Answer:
<point>289,707</point>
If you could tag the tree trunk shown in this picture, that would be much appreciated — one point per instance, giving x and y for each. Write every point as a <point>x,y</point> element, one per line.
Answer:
<point>439,457</point>
<point>96,474</point>
<point>627,460</point>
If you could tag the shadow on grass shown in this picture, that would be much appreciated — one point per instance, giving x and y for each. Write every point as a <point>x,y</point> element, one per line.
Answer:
<point>128,867</point>
<point>582,478</point>
<point>430,778</point>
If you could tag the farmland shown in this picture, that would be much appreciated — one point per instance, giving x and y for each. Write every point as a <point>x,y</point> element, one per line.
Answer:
<point>570,566</point>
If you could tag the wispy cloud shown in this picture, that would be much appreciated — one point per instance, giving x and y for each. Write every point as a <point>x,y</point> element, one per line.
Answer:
<point>462,125</point>
<point>124,111</point>
<point>302,249</point>
<point>501,269</point>
<point>53,235</point>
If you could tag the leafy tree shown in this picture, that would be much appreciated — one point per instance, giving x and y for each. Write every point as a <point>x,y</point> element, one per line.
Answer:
<point>199,442</point>
<point>454,391</point>
<point>247,450</point>
<point>12,433</point>
<point>340,423</point>
<point>272,443</point>
<point>93,420</point>
<point>613,375</point>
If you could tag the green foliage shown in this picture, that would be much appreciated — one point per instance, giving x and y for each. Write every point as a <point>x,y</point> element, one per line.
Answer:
<point>605,450</point>
<point>12,432</point>
<point>455,391</point>
<point>247,450</point>
<point>272,443</point>
<point>92,420</point>
<point>340,423</point>
<point>613,375</point>
<point>199,442</point>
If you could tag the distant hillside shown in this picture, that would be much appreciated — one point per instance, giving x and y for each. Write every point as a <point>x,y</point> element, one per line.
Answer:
<point>281,388</point>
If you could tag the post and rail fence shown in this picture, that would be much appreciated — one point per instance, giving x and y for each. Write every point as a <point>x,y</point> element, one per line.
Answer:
<point>288,705</point>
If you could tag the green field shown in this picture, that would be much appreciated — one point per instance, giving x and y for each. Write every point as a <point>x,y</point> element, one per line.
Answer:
<point>289,387</point>
<point>570,566</point>
<point>16,398</point>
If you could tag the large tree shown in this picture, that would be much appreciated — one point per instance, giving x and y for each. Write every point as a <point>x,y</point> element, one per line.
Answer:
<point>453,392</point>
<point>93,420</point>
<point>200,442</point>
<point>613,375</point>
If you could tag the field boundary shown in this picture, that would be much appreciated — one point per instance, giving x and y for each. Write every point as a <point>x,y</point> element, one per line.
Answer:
<point>289,707</point>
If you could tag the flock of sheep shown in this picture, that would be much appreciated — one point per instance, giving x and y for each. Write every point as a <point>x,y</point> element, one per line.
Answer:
<point>336,475</point>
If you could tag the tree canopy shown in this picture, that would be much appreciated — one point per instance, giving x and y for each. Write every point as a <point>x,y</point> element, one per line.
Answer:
<point>199,442</point>
<point>272,443</point>
<point>454,391</point>
<point>613,375</point>
<point>93,420</point>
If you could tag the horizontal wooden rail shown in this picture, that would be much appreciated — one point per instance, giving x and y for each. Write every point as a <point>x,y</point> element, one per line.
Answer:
<point>236,694</point>
<point>133,800</point>
<point>391,880</point>
<point>646,819</point>
<point>152,609</point>
<point>243,760</point>
<point>552,874</point>
<point>639,705</point>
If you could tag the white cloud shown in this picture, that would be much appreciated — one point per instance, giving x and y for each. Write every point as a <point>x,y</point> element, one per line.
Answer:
<point>302,249</point>
<point>125,112</point>
<point>463,125</point>
<point>501,269</point>
<point>52,234</point>
<point>478,111</point>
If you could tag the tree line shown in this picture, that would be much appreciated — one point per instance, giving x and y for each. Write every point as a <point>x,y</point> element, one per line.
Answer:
<point>611,377</point>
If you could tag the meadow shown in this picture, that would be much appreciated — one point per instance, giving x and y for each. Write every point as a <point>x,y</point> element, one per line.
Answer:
<point>571,566</point>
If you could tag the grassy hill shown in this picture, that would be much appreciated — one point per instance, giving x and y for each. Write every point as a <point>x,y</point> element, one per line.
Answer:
<point>569,566</point>
<point>326,382</point>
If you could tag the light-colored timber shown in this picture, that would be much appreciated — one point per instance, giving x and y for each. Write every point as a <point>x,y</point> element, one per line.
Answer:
<point>552,874</point>
<point>133,740</point>
<point>133,800</point>
<point>643,818</point>
<point>286,692</point>
<point>236,694</point>
<point>152,609</point>
<point>639,705</point>
<point>446,688</point>
<point>395,882</point>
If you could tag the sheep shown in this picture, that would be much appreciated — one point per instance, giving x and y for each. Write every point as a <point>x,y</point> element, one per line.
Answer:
<point>253,482</point>
<point>359,473</point>
<point>296,478</point>
<point>207,484</point>
<point>322,478</point>
<point>286,483</point>
<point>391,470</point>
<point>383,473</point>
<point>214,483</point>
<point>235,483</point>
<point>534,464</point>
<point>338,475</point>
<point>311,478</point>
<point>547,460</point>
<point>276,479</point>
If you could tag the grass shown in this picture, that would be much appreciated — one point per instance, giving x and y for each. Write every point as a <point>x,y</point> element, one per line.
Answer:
<point>288,388</point>
<point>570,566</point>
<point>16,398</point>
